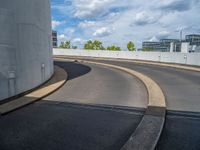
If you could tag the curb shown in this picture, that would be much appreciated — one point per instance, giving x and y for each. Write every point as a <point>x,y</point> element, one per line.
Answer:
<point>149,130</point>
<point>57,81</point>
<point>162,64</point>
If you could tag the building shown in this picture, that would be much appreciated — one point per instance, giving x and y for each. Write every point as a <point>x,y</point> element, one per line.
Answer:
<point>25,45</point>
<point>54,39</point>
<point>164,45</point>
<point>187,48</point>
<point>150,46</point>
<point>190,44</point>
<point>193,39</point>
<point>171,45</point>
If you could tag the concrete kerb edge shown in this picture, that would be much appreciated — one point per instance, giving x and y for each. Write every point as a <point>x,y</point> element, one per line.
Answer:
<point>35,89</point>
<point>154,109</point>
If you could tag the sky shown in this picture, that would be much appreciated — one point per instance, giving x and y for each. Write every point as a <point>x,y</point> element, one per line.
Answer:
<point>119,21</point>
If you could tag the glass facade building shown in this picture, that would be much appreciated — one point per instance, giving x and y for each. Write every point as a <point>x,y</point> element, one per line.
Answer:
<point>54,39</point>
<point>193,39</point>
<point>163,45</point>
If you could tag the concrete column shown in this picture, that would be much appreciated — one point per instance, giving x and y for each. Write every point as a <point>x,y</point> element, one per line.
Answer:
<point>172,47</point>
<point>185,46</point>
<point>25,44</point>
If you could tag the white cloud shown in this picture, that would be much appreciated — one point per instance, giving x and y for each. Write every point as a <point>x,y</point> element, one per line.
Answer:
<point>78,41</point>
<point>159,35</point>
<point>56,23</point>
<point>163,34</point>
<point>176,5</point>
<point>101,32</point>
<point>156,19</point>
<point>144,18</point>
<point>61,38</point>
<point>69,31</point>
<point>153,39</point>
<point>87,24</point>
<point>91,8</point>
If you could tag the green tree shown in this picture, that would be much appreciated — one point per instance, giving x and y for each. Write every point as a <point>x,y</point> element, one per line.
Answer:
<point>113,48</point>
<point>131,46</point>
<point>68,44</point>
<point>98,45</point>
<point>74,47</point>
<point>94,45</point>
<point>62,45</point>
<point>89,45</point>
<point>65,45</point>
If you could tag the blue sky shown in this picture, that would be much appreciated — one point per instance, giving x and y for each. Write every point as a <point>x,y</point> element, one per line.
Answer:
<point>120,21</point>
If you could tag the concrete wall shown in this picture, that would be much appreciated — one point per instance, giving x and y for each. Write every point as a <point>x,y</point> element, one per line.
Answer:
<point>25,45</point>
<point>182,58</point>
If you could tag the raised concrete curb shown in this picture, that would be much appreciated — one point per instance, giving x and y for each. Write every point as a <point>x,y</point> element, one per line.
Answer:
<point>58,80</point>
<point>149,130</point>
<point>162,64</point>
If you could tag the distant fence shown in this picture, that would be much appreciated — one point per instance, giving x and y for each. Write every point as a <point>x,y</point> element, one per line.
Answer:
<point>180,58</point>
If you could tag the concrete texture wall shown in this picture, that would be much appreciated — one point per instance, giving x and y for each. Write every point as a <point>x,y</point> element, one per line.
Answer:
<point>25,45</point>
<point>181,58</point>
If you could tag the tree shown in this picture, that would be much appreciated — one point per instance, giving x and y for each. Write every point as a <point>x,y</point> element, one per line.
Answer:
<point>98,45</point>
<point>89,45</point>
<point>66,45</point>
<point>74,47</point>
<point>131,46</point>
<point>113,48</point>
<point>62,45</point>
<point>94,45</point>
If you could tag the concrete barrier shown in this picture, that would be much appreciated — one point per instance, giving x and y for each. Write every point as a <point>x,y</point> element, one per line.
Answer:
<point>166,57</point>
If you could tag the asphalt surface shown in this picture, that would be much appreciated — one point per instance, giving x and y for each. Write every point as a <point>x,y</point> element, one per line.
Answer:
<point>181,87</point>
<point>61,126</point>
<point>181,132</point>
<point>182,91</point>
<point>101,85</point>
<point>76,117</point>
<point>61,122</point>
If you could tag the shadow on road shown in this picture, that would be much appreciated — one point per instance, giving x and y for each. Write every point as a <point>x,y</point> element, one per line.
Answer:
<point>74,69</point>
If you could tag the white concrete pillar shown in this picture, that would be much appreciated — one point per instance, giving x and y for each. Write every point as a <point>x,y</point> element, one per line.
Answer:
<point>172,47</point>
<point>185,46</point>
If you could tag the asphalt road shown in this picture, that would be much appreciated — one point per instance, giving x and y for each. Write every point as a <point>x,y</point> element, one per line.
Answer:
<point>76,117</point>
<point>51,125</point>
<point>181,132</point>
<point>66,120</point>
<point>182,91</point>
<point>181,87</point>
<point>101,85</point>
